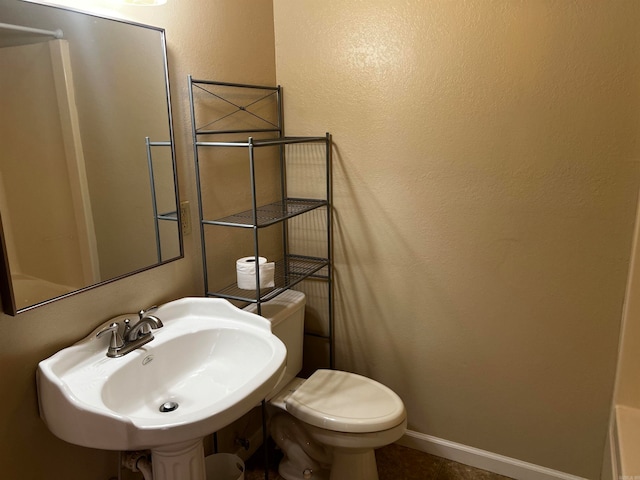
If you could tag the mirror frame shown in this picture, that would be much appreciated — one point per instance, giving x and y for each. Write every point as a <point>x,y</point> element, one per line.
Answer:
<point>7,297</point>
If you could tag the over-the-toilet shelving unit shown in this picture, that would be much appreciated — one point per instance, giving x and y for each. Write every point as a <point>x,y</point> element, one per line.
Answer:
<point>234,116</point>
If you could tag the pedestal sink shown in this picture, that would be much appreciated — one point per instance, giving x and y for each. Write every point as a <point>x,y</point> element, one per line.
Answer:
<point>210,364</point>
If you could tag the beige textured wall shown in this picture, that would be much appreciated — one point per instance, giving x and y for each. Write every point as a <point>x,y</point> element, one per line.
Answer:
<point>486,172</point>
<point>205,38</point>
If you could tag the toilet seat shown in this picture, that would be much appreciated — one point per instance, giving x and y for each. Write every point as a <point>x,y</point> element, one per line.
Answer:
<point>345,402</point>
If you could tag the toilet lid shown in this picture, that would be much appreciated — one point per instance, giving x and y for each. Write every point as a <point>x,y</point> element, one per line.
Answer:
<point>346,402</point>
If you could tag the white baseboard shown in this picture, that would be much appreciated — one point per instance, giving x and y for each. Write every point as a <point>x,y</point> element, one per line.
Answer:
<point>509,467</point>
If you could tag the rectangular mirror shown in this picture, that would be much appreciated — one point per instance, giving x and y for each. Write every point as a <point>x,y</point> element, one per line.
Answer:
<point>88,188</point>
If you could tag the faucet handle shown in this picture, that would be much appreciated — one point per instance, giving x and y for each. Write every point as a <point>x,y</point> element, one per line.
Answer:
<point>116,340</point>
<point>127,327</point>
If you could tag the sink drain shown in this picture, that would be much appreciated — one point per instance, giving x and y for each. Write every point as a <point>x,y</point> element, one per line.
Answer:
<point>168,407</point>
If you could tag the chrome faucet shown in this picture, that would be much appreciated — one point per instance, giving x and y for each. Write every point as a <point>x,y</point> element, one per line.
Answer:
<point>132,337</point>
<point>146,323</point>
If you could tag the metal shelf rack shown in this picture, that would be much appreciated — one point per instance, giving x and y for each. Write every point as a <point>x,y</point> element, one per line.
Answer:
<point>231,115</point>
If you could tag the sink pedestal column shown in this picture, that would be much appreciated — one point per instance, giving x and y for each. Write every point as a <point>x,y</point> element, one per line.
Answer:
<point>181,461</point>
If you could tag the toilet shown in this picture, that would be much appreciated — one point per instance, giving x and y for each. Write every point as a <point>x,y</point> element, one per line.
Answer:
<point>328,425</point>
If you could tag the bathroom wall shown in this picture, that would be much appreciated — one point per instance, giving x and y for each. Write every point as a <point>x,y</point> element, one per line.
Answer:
<point>486,174</point>
<point>205,38</point>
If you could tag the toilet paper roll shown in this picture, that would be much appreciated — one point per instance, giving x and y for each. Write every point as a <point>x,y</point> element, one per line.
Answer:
<point>246,273</point>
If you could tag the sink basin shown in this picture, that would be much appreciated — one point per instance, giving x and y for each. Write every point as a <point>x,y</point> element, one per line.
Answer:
<point>209,365</point>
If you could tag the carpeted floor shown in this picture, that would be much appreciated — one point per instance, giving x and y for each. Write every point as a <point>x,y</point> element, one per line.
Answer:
<point>394,463</point>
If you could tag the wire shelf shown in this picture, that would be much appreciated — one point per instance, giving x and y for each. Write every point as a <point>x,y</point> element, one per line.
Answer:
<point>288,273</point>
<point>269,214</point>
<point>255,142</point>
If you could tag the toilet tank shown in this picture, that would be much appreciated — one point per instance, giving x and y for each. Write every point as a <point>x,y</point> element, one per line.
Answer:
<point>286,314</point>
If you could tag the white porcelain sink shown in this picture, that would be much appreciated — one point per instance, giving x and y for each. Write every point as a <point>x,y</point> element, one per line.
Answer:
<point>215,361</point>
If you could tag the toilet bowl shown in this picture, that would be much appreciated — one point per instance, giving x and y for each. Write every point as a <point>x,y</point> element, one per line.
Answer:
<point>328,425</point>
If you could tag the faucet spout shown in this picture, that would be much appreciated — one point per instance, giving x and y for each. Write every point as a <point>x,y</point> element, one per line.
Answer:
<point>143,327</point>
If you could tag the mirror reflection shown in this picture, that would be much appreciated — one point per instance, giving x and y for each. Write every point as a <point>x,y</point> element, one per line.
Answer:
<point>87,170</point>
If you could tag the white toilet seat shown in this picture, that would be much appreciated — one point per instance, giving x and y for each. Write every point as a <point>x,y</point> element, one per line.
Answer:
<point>345,402</point>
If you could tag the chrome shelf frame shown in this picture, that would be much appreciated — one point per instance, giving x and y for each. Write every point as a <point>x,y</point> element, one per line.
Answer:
<point>214,132</point>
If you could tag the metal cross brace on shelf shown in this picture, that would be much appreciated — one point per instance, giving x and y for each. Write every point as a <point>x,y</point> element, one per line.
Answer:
<point>238,108</point>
